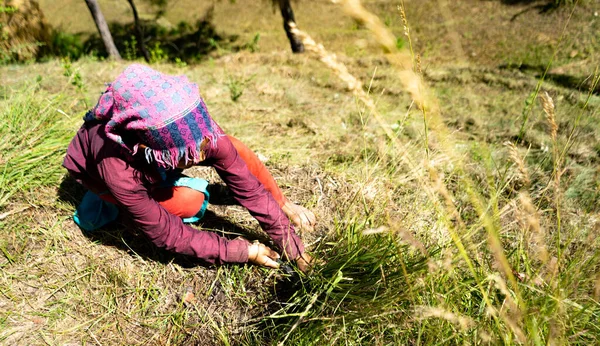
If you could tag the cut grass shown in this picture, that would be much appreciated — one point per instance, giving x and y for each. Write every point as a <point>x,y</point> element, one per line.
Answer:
<point>34,134</point>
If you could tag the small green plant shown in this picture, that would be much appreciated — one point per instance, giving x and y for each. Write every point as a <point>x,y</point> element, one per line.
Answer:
<point>157,54</point>
<point>131,48</point>
<point>7,10</point>
<point>180,63</point>
<point>220,47</point>
<point>400,42</point>
<point>387,21</point>
<point>236,87</point>
<point>74,76</point>
<point>213,43</point>
<point>66,45</point>
<point>75,79</point>
<point>253,46</point>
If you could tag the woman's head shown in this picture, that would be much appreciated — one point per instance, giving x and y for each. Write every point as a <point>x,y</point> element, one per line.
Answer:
<point>163,112</point>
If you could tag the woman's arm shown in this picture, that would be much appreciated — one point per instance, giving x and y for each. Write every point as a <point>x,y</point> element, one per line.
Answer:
<point>166,230</point>
<point>252,195</point>
<point>300,216</point>
<point>258,169</point>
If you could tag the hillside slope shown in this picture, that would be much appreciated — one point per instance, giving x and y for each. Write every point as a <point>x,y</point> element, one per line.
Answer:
<point>459,237</point>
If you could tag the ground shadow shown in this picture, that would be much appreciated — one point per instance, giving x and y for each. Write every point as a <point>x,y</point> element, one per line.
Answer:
<point>125,235</point>
<point>565,80</point>
<point>70,191</point>
<point>220,194</point>
<point>185,42</point>
<point>542,6</point>
<point>526,2</point>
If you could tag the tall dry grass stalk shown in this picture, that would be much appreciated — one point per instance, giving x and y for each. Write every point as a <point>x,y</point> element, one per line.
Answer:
<point>557,171</point>
<point>532,224</point>
<point>433,185</point>
<point>405,25</point>
<point>530,217</point>
<point>519,162</point>
<point>356,87</point>
<point>510,312</point>
<point>548,106</point>
<point>401,59</point>
<point>356,10</point>
<point>424,312</point>
<point>408,69</point>
<point>428,104</point>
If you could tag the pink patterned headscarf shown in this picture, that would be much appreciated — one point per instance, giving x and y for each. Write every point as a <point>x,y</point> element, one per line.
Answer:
<point>165,113</point>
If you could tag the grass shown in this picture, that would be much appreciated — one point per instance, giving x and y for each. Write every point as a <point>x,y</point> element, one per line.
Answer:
<point>436,225</point>
<point>27,121</point>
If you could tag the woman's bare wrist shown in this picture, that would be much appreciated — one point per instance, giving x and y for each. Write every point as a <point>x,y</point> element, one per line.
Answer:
<point>252,252</point>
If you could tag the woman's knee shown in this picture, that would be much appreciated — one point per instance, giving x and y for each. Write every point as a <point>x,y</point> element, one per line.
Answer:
<point>179,200</point>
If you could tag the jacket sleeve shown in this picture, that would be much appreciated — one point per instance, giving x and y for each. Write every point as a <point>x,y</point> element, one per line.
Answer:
<point>251,194</point>
<point>165,230</point>
<point>258,170</point>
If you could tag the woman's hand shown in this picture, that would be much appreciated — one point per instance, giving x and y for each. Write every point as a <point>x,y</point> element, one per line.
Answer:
<point>304,262</point>
<point>262,255</point>
<point>301,217</point>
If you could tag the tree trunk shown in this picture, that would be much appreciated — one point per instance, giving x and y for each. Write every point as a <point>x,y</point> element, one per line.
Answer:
<point>103,29</point>
<point>288,16</point>
<point>138,32</point>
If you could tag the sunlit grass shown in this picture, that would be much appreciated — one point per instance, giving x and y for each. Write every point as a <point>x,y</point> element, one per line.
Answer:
<point>511,278</point>
<point>439,237</point>
<point>34,133</point>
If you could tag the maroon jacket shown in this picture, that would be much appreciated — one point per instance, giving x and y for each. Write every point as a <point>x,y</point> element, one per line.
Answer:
<point>100,165</point>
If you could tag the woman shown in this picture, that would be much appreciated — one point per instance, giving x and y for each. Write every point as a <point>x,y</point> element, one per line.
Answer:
<point>130,152</point>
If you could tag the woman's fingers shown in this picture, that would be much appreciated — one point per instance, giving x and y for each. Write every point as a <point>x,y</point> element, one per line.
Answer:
<point>306,215</point>
<point>300,216</point>
<point>307,222</point>
<point>311,217</point>
<point>269,256</point>
<point>272,253</point>
<point>270,263</point>
<point>261,254</point>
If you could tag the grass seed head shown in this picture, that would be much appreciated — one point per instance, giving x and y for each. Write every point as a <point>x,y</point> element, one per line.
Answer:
<point>425,312</point>
<point>518,160</point>
<point>531,222</point>
<point>548,106</point>
<point>597,289</point>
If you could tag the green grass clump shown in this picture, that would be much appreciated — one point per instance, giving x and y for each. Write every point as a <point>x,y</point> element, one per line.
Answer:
<point>34,138</point>
<point>356,294</point>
